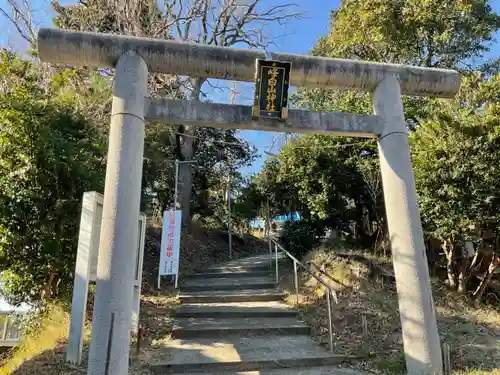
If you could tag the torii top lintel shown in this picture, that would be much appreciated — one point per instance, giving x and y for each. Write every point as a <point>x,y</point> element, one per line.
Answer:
<point>197,60</point>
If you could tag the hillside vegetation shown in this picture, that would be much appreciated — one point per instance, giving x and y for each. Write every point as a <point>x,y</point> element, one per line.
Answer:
<point>366,292</point>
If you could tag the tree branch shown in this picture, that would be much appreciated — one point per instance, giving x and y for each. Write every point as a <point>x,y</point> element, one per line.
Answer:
<point>22,20</point>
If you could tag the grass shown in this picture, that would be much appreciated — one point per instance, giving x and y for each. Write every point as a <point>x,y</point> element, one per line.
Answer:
<point>364,293</point>
<point>43,351</point>
<point>54,325</point>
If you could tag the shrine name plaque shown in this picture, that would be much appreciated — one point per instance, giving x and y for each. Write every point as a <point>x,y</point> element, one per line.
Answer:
<point>272,79</point>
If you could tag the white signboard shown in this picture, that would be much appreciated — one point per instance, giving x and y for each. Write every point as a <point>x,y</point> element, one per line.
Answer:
<point>170,245</point>
<point>86,271</point>
<point>139,259</point>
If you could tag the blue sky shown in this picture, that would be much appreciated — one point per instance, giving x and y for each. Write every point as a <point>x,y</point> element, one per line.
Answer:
<point>296,37</point>
<point>299,37</point>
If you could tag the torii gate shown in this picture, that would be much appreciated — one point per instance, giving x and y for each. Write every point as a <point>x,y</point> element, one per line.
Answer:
<point>134,57</point>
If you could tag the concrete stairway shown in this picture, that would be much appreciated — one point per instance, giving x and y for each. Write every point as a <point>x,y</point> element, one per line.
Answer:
<point>233,320</point>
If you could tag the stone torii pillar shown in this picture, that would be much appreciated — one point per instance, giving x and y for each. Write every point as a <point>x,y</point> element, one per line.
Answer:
<point>110,344</point>
<point>416,306</point>
<point>386,82</point>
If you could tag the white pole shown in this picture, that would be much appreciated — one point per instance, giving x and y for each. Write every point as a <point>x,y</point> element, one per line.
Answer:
<point>176,194</point>
<point>159,276</point>
<point>233,101</point>
<point>229,216</point>
<point>112,317</point>
<point>268,218</point>
<point>159,265</point>
<point>176,183</point>
<point>416,305</point>
<point>268,225</point>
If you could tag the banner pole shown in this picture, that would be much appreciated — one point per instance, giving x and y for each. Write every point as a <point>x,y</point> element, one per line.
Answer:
<point>161,249</point>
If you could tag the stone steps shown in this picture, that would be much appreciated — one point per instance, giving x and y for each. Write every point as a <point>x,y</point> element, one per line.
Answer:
<point>228,274</point>
<point>233,320</point>
<point>264,309</point>
<point>253,261</point>
<point>245,295</point>
<point>235,354</point>
<point>325,370</point>
<point>225,283</point>
<point>249,269</point>
<point>219,327</point>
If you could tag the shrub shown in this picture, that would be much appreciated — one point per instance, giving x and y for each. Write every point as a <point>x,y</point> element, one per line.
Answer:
<point>298,237</point>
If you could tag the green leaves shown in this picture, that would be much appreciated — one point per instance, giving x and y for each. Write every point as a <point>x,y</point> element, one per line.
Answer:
<point>437,33</point>
<point>48,158</point>
<point>456,161</point>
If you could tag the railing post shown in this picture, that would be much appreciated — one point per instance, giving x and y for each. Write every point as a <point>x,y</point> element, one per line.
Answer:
<point>276,259</point>
<point>446,359</point>
<point>5,327</point>
<point>270,254</point>
<point>330,327</point>
<point>296,280</point>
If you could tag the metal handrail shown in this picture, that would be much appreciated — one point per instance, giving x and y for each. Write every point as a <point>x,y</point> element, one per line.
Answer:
<point>330,292</point>
<point>321,272</point>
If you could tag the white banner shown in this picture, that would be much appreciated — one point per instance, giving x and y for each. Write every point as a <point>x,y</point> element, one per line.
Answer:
<point>170,243</point>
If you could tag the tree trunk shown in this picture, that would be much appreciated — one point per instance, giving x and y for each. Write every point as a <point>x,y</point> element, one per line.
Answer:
<point>364,239</point>
<point>187,151</point>
<point>450,251</point>
<point>463,274</point>
<point>382,242</point>
<point>488,275</point>
<point>185,183</point>
<point>54,287</point>
<point>433,258</point>
<point>48,288</point>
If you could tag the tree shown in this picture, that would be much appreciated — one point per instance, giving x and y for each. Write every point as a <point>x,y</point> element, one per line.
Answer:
<point>434,33</point>
<point>49,156</point>
<point>225,23</point>
<point>251,203</point>
<point>456,161</point>
<point>324,179</point>
<point>445,34</point>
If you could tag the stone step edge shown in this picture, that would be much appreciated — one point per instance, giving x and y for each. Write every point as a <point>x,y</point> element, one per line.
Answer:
<point>242,286</point>
<point>233,268</point>
<point>251,365</point>
<point>227,275</point>
<point>192,313</point>
<point>232,298</point>
<point>294,327</point>
<point>186,333</point>
<point>331,370</point>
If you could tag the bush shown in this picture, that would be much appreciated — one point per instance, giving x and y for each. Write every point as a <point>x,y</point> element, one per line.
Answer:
<point>298,237</point>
